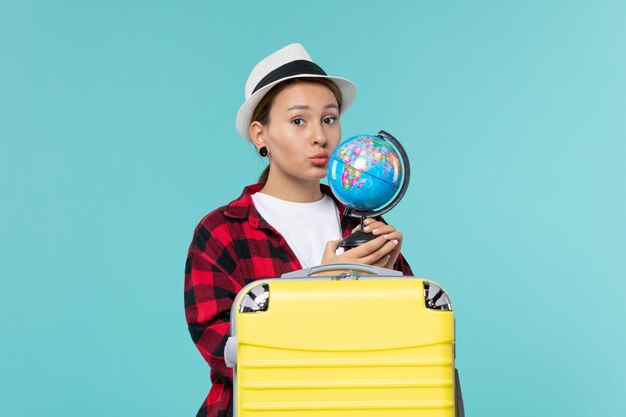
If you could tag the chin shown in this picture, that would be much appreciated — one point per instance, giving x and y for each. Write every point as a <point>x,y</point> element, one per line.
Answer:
<point>322,172</point>
<point>313,176</point>
<point>310,173</point>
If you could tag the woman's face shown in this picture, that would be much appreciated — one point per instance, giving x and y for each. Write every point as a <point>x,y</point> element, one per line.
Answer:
<point>303,131</point>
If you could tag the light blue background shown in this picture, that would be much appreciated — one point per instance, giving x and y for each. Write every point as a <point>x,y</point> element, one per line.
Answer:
<point>117,136</point>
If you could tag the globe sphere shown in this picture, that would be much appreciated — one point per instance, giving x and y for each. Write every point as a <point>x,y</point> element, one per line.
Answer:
<point>365,172</point>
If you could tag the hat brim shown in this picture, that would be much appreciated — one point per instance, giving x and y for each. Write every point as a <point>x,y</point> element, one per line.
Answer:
<point>244,116</point>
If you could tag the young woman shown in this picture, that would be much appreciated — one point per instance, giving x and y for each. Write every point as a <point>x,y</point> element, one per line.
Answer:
<point>288,220</point>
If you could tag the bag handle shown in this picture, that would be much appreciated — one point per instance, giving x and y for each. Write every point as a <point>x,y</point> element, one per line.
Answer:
<point>370,269</point>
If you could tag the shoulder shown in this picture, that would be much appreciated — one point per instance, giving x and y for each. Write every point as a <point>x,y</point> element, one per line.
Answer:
<point>224,224</point>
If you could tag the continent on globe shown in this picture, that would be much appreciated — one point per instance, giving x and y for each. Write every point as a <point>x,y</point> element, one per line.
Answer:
<point>365,172</point>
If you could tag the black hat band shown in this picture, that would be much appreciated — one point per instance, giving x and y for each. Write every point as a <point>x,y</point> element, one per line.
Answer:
<point>289,69</point>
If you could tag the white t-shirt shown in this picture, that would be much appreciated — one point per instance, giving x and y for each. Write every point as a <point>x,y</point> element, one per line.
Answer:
<point>306,227</point>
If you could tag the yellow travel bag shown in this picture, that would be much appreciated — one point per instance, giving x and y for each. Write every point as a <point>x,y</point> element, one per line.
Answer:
<point>365,343</point>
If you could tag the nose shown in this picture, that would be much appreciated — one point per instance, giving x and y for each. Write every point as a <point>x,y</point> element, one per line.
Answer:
<point>319,135</point>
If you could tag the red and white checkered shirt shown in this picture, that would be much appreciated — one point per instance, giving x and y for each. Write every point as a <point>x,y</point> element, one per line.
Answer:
<point>231,247</point>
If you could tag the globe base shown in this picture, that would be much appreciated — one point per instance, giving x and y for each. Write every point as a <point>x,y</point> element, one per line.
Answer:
<point>356,239</point>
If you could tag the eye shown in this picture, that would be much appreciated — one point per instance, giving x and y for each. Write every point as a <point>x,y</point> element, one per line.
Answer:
<point>330,120</point>
<point>298,121</point>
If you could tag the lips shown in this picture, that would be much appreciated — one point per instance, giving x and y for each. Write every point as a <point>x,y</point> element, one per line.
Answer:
<point>319,159</point>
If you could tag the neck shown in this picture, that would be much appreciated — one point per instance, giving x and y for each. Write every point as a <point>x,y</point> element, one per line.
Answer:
<point>292,189</point>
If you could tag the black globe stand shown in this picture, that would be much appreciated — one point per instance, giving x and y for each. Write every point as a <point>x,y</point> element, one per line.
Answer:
<point>360,237</point>
<point>356,238</point>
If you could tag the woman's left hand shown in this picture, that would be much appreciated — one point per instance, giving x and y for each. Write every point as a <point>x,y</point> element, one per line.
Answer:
<point>378,228</point>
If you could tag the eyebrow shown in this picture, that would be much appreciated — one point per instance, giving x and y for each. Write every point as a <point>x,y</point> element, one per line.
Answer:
<point>305,107</point>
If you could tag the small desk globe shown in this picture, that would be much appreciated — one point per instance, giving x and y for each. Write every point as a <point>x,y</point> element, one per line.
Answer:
<point>369,174</point>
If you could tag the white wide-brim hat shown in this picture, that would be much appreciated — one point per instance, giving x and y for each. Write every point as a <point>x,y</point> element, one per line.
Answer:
<point>292,61</point>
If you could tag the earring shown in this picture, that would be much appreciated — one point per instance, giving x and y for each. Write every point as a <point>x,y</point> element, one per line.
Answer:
<point>263,151</point>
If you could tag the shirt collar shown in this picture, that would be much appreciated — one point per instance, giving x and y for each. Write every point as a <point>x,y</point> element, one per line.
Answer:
<point>243,207</point>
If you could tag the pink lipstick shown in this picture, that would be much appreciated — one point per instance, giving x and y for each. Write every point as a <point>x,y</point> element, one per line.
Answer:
<point>319,159</point>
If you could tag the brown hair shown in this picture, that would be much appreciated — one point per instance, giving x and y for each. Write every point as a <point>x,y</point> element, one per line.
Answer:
<point>261,112</point>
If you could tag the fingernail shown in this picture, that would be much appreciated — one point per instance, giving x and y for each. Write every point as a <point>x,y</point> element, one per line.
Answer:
<point>386,237</point>
<point>375,231</point>
<point>366,229</point>
<point>366,221</point>
<point>395,241</point>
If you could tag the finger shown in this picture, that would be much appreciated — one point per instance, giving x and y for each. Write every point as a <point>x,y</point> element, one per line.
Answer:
<point>383,229</point>
<point>382,262</point>
<point>392,260</point>
<point>395,235</point>
<point>393,255</point>
<point>375,258</point>
<point>331,248</point>
<point>379,253</point>
<point>368,248</point>
<point>369,222</point>
<point>378,228</point>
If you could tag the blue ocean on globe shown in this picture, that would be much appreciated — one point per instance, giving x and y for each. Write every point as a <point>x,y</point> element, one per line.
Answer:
<point>365,172</point>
